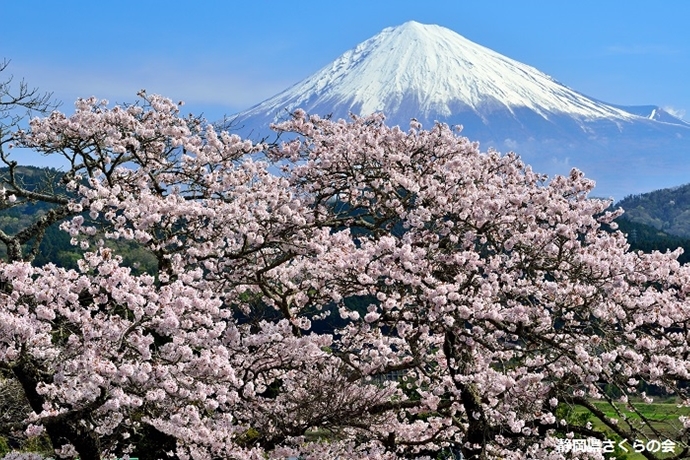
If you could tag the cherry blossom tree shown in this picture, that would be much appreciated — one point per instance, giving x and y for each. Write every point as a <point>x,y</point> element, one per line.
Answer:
<point>391,294</point>
<point>18,102</point>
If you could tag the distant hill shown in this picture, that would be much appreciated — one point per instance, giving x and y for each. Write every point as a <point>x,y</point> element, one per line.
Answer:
<point>56,246</point>
<point>667,210</point>
<point>647,238</point>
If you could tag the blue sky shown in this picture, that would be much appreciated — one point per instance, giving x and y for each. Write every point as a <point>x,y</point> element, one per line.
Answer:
<point>224,56</point>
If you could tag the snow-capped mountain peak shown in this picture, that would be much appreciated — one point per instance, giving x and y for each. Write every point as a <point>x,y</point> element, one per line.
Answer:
<point>440,72</point>
<point>433,74</point>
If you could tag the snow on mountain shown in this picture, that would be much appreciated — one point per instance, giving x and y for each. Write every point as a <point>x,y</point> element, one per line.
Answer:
<point>431,73</point>
<point>441,72</point>
<point>653,112</point>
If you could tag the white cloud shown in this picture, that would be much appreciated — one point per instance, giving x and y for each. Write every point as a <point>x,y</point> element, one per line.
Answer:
<point>561,162</point>
<point>678,113</point>
<point>510,143</point>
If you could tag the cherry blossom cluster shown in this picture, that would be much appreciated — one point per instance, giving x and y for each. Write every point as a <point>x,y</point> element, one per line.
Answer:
<point>392,294</point>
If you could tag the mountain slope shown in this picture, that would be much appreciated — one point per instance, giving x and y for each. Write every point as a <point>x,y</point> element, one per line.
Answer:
<point>431,73</point>
<point>440,70</point>
<point>665,209</point>
<point>653,112</point>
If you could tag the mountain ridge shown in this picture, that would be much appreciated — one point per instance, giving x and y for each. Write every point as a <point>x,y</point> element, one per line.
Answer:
<point>432,64</point>
<point>431,73</point>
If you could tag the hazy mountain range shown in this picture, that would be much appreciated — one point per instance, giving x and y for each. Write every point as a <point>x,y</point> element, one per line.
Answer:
<point>433,74</point>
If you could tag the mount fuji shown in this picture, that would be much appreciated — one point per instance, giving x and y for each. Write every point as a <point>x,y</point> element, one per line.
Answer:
<point>431,73</point>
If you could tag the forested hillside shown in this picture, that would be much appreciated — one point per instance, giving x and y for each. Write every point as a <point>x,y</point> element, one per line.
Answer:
<point>55,246</point>
<point>667,209</point>
<point>14,217</point>
<point>647,238</point>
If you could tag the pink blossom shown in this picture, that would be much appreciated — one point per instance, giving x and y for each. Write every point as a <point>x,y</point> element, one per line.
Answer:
<point>399,289</point>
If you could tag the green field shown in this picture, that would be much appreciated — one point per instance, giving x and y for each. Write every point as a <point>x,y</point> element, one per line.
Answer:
<point>662,416</point>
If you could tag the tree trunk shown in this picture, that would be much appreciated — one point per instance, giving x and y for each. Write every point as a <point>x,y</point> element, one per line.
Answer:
<point>69,428</point>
